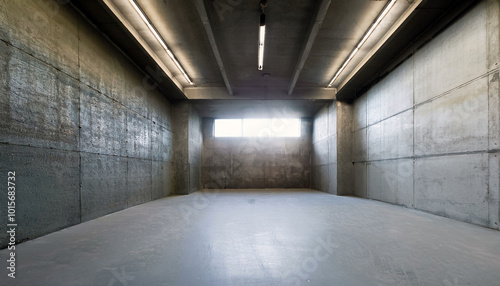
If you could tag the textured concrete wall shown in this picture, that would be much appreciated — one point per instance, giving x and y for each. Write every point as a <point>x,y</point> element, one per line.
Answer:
<point>180,116</point>
<point>78,125</point>
<point>332,170</point>
<point>242,163</point>
<point>324,150</point>
<point>188,141</point>
<point>427,135</point>
<point>345,167</point>
<point>195,147</point>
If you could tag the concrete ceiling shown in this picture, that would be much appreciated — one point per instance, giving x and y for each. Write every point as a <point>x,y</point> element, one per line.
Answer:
<point>306,43</point>
<point>226,108</point>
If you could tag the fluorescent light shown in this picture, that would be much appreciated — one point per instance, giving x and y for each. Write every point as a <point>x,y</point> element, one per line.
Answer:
<point>353,53</point>
<point>262,35</point>
<point>262,38</point>
<point>160,40</point>
<point>363,40</point>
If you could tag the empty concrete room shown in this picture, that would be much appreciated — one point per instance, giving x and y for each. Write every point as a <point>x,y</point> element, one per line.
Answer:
<point>249,142</point>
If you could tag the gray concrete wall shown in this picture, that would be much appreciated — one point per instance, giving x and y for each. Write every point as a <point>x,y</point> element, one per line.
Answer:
<point>324,150</point>
<point>195,148</point>
<point>84,134</point>
<point>188,141</point>
<point>243,163</point>
<point>332,170</point>
<point>427,135</point>
<point>345,166</point>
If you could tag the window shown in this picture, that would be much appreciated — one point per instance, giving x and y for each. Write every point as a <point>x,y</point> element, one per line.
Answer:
<point>228,128</point>
<point>264,127</point>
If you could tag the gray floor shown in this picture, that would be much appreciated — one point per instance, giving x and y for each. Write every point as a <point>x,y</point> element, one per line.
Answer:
<point>263,237</point>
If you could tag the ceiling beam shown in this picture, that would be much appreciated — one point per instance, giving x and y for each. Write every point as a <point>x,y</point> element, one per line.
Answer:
<point>314,27</point>
<point>204,18</point>
<point>259,93</point>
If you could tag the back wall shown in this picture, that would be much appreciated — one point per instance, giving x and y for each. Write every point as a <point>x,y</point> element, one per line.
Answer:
<point>247,163</point>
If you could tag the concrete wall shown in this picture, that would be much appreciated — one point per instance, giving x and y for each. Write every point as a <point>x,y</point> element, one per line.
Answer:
<point>324,150</point>
<point>77,125</point>
<point>427,135</point>
<point>242,163</point>
<point>187,148</point>
<point>345,166</point>
<point>332,170</point>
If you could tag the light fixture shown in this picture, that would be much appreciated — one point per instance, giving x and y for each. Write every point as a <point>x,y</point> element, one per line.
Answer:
<point>363,40</point>
<point>262,34</point>
<point>160,40</point>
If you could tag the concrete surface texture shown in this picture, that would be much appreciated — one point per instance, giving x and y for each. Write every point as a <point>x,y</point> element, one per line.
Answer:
<point>263,237</point>
<point>242,108</point>
<point>332,170</point>
<point>241,163</point>
<point>324,150</point>
<point>208,28</point>
<point>188,143</point>
<point>427,135</point>
<point>84,131</point>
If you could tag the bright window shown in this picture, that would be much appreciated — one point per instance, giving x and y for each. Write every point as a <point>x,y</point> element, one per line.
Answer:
<point>228,128</point>
<point>264,127</point>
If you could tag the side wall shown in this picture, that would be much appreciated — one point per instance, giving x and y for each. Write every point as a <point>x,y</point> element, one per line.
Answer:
<point>83,135</point>
<point>427,135</point>
<point>248,163</point>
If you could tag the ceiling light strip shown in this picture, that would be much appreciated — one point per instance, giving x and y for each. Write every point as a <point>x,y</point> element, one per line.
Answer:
<point>160,40</point>
<point>364,39</point>
<point>262,38</point>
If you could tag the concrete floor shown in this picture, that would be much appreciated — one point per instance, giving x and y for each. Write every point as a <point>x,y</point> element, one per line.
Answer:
<point>262,237</point>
